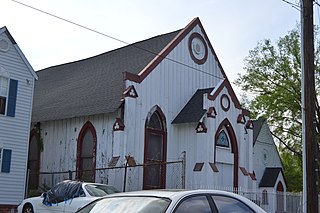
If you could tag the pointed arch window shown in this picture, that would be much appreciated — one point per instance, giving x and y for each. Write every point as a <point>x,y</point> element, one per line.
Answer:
<point>265,200</point>
<point>155,150</point>
<point>86,154</point>
<point>223,139</point>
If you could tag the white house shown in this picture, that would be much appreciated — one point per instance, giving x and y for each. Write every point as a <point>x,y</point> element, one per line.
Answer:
<point>268,168</point>
<point>17,80</point>
<point>153,101</point>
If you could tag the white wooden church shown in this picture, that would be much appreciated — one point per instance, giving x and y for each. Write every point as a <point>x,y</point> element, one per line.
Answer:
<point>155,101</point>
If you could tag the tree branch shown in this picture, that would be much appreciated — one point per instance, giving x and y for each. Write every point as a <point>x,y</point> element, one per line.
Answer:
<point>287,146</point>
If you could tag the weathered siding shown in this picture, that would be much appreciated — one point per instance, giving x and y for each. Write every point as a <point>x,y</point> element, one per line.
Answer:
<point>14,131</point>
<point>60,145</point>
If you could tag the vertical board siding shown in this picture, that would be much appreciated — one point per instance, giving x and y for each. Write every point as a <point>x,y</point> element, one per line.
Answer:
<point>14,131</point>
<point>60,145</point>
<point>170,86</point>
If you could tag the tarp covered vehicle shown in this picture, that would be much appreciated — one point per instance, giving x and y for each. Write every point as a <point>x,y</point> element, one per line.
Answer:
<point>66,196</point>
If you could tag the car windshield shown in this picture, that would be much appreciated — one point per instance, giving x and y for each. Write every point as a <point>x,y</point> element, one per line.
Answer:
<point>98,190</point>
<point>141,204</point>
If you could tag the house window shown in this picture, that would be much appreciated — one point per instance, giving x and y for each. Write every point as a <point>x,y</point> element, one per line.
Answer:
<point>5,160</point>
<point>223,139</point>
<point>4,89</point>
<point>265,197</point>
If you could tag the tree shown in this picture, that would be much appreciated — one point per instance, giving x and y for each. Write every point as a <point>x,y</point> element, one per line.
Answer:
<point>273,80</point>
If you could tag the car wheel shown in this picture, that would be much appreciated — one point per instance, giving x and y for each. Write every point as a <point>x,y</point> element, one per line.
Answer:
<point>28,209</point>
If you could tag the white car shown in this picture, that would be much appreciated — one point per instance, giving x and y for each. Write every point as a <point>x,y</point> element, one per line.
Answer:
<point>168,201</point>
<point>66,196</point>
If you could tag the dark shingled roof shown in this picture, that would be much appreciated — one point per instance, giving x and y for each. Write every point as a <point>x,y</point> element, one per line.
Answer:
<point>257,125</point>
<point>93,85</point>
<point>269,177</point>
<point>193,110</point>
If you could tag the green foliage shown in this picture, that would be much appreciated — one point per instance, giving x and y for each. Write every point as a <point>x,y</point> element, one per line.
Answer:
<point>273,79</point>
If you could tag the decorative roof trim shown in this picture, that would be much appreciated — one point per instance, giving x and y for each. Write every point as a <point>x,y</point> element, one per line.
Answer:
<point>113,162</point>
<point>130,92</point>
<point>211,113</point>
<point>214,167</point>
<point>201,128</point>
<point>198,167</point>
<point>253,176</point>
<point>244,171</point>
<point>249,124</point>
<point>241,119</point>
<point>118,125</point>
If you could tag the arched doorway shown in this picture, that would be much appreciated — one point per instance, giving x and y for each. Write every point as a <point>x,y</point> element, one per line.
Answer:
<point>86,153</point>
<point>280,197</point>
<point>155,150</point>
<point>225,139</point>
<point>33,161</point>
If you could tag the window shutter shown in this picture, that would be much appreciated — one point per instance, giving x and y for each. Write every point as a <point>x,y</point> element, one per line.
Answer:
<point>6,160</point>
<point>12,98</point>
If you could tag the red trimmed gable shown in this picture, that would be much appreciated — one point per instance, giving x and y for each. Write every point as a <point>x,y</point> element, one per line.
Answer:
<point>163,54</point>
<point>225,84</point>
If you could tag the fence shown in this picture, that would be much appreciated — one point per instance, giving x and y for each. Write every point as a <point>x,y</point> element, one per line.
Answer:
<point>124,178</point>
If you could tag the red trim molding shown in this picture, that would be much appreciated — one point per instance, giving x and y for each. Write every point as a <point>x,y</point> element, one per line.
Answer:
<point>234,148</point>
<point>244,171</point>
<point>223,98</point>
<point>253,176</point>
<point>214,167</point>
<point>204,59</point>
<point>201,128</point>
<point>211,113</point>
<point>130,92</point>
<point>87,126</point>
<point>241,119</point>
<point>118,125</point>
<point>249,124</point>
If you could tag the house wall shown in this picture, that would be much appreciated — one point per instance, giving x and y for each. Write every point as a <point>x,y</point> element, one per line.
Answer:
<point>170,85</point>
<point>265,147</point>
<point>14,131</point>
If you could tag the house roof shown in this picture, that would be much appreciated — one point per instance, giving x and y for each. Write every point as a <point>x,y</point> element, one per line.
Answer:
<point>270,177</point>
<point>257,125</point>
<point>193,110</point>
<point>93,85</point>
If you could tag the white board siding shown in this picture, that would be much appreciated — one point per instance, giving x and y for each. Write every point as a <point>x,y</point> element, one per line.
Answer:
<point>60,144</point>
<point>170,86</point>
<point>265,142</point>
<point>14,131</point>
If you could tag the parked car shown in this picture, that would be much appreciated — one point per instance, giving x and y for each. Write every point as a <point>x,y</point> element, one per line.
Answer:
<point>165,201</point>
<point>66,196</point>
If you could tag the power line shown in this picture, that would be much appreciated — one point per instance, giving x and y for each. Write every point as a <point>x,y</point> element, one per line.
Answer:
<point>295,6</point>
<point>119,40</point>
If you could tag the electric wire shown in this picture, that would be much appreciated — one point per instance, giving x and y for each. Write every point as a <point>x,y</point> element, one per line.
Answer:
<point>295,6</point>
<point>119,40</point>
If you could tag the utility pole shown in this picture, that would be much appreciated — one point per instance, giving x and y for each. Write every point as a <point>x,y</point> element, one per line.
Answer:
<point>309,136</point>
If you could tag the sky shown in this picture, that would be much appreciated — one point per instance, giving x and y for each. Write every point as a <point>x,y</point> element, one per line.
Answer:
<point>234,27</point>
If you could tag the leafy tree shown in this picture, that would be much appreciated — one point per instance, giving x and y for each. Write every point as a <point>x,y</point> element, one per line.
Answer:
<point>273,80</point>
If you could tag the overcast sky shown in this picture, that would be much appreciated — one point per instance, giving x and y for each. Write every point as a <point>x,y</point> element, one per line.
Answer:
<point>233,26</point>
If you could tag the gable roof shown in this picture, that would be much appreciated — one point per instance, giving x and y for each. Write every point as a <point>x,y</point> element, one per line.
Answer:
<point>193,110</point>
<point>93,85</point>
<point>270,177</point>
<point>17,48</point>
